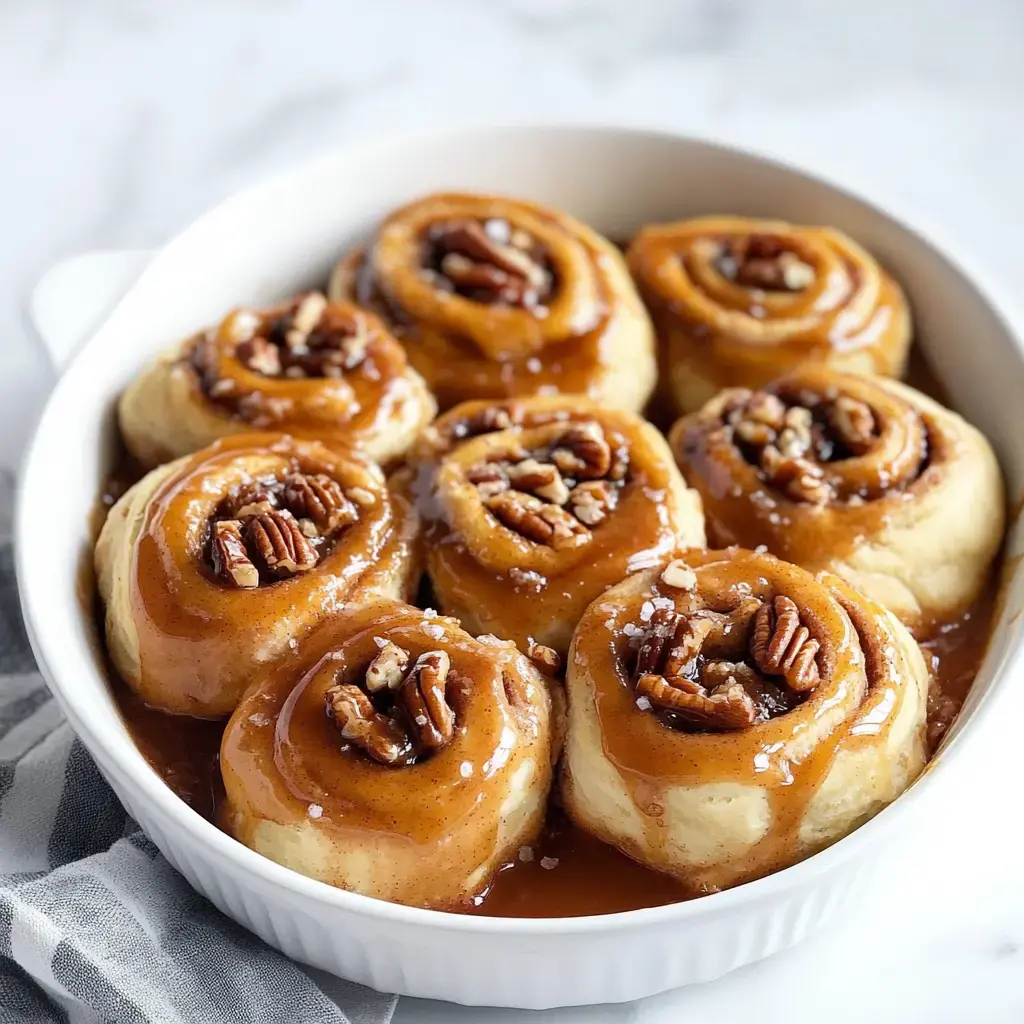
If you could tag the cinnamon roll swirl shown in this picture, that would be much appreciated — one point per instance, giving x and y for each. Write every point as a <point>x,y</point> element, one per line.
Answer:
<point>536,505</point>
<point>737,302</point>
<point>217,564</point>
<point>394,756</point>
<point>862,476</point>
<point>495,297</point>
<point>312,368</point>
<point>730,714</point>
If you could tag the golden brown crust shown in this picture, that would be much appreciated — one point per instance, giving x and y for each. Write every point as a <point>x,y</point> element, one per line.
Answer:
<point>428,829</point>
<point>572,322</point>
<point>186,625</point>
<point>537,505</point>
<point>736,302</point>
<point>861,476</point>
<point>710,799</point>
<point>339,378</point>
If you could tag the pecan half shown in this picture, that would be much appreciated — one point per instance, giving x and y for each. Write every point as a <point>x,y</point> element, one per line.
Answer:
<point>249,499</point>
<point>280,542</point>
<point>660,630</point>
<point>782,645</point>
<point>353,712</point>
<point>422,698</point>
<point>537,521</point>
<point>724,709</point>
<point>320,498</point>
<point>230,558</point>
<point>582,452</point>
<point>763,262</point>
<point>488,262</point>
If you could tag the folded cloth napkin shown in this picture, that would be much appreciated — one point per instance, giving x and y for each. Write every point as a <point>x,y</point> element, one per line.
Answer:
<point>94,924</point>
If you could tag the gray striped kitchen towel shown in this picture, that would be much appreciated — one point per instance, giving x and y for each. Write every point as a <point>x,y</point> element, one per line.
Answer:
<point>94,924</point>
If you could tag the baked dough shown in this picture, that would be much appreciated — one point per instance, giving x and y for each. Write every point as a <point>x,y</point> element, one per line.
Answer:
<point>862,476</point>
<point>536,505</point>
<point>729,714</point>
<point>214,565</point>
<point>325,371</point>
<point>496,297</point>
<point>737,302</point>
<point>347,764</point>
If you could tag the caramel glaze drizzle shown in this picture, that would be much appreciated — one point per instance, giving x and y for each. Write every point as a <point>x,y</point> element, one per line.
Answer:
<point>286,753</point>
<point>518,588</point>
<point>567,360</point>
<point>175,592</point>
<point>751,501</point>
<point>790,754</point>
<point>805,294</point>
<point>317,369</point>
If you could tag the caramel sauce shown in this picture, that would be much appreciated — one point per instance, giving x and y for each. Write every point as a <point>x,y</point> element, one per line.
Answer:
<point>567,871</point>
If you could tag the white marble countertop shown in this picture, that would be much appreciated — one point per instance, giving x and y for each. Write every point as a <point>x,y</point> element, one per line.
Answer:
<point>124,119</point>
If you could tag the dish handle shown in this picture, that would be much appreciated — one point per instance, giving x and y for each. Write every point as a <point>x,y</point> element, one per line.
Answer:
<point>73,297</point>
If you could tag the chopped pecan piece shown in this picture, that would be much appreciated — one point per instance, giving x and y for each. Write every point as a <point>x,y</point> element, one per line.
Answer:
<point>782,645</point>
<point>248,499</point>
<point>487,421</point>
<point>422,698</point>
<point>305,318</point>
<point>380,737</point>
<point>582,452</point>
<point>387,670</point>
<point>487,264</point>
<point>763,262</point>
<point>280,542</point>
<point>320,498</point>
<point>548,660</point>
<point>678,575</point>
<point>230,559</point>
<point>591,501</point>
<point>537,521</point>
<point>490,478</point>
<point>540,478</point>
<point>798,478</point>
<point>260,355</point>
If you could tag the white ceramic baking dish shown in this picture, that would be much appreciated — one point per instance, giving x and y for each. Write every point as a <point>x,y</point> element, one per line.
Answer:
<point>280,236</point>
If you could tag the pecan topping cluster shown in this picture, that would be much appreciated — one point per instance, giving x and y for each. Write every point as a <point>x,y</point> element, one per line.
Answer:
<point>267,530</point>
<point>792,444</point>
<point>488,261</point>
<point>558,493</point>
<point>399,714</point>
<point>764,262</point>
<point>307,340</point>
<point>717,671</point>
